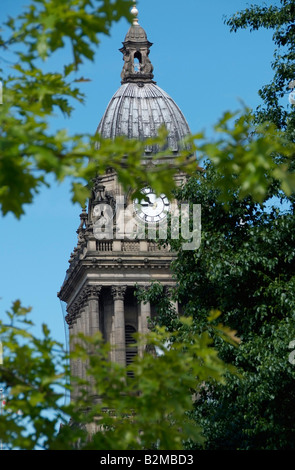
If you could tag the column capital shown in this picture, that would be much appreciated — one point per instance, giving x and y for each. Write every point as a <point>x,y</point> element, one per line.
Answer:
<point>92,292</point>
<point>73,310</point>
<point>70,319</point>
<point>118,292</point>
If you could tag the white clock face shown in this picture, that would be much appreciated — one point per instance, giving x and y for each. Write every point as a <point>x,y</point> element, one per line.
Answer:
<point>153,208</point>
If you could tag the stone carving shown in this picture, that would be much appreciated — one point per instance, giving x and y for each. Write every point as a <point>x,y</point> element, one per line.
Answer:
<point>83,220</point>
<point>69,320</point>
<point>147,67</point>
<point>137,65</point>
<point>92,292</point>
<point>102,213</point>
<point>118,292</point>
<point>88,293</point>
<point>127,67</point>
<point>100,195</point>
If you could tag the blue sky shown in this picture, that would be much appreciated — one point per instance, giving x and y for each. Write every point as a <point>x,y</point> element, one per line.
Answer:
<point>205,69</point>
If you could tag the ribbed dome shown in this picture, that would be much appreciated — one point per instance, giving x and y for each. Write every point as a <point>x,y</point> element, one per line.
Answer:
<point>136,34</point>
<point>137,111</point>
<point>139,107</point>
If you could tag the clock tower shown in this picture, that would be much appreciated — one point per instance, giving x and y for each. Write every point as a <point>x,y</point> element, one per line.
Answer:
<point>116,249</point>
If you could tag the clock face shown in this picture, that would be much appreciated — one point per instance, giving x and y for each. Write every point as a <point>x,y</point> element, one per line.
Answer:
<point>153,208</point>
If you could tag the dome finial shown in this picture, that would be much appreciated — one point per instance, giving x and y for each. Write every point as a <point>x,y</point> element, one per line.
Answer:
<point>134,12</point>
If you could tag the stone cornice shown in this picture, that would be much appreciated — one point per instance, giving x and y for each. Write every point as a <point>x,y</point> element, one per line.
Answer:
<point>129,262</point>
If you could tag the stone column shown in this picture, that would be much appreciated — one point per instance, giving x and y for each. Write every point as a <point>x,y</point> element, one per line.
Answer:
<point>85,331</point>
<point>86,318</point>
<point>91,324</point>
<point>77,321</point>
<point>118,293</point>
<point>145,314</point>
<point>93,308</point>
<point>79,364</point>
<point>72,332</point>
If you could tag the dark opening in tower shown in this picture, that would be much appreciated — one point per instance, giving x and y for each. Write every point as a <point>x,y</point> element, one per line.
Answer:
<point>131,348</point>
<point>137,61</point>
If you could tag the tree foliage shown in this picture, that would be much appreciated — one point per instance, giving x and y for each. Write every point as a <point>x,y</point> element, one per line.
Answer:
<point>251,159</point>
<point>280,19</point>
<point>148,411</point>
<point>31,151</point>
<point>243,269</point>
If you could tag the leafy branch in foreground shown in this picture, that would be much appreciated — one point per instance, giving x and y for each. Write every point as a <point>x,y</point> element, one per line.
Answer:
<point>30,151</point>
<point>279,19</point>
<point>148,410</point>
<point>244,267</point>
<point>250,158</point>
<point>45,26</point>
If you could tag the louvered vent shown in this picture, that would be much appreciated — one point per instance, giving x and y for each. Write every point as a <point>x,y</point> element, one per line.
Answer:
<point>131,351</point>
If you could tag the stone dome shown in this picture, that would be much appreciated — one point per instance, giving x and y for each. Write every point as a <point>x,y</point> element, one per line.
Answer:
<point>139,107</point>
<point>138,110</point>
<point>136,34</point>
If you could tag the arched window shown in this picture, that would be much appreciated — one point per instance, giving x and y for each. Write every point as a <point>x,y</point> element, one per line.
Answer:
<point>131,351</point>
<point>137,61</point>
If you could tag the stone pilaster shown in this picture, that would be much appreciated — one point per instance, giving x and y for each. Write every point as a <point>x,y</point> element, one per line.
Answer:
<point>143,319</point>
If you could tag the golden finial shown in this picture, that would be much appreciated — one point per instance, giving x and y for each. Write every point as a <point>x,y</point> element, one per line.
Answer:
<point>134,12</point>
